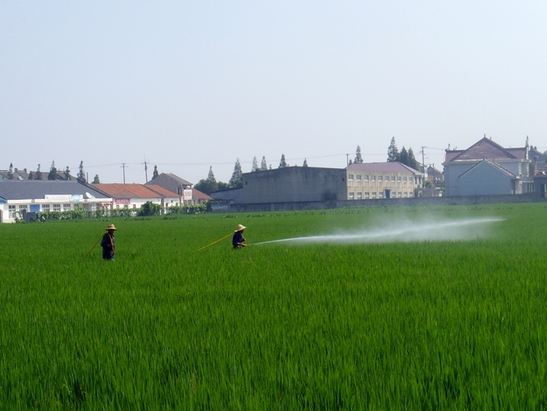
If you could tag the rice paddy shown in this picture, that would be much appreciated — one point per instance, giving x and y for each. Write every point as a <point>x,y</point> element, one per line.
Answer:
<point>440,322</point>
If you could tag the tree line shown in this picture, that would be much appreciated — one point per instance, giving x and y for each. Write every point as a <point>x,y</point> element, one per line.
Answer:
<point>53,174</point>
<point>210,184</point>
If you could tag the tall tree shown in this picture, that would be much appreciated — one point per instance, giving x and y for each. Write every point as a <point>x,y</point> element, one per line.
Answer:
<point>263,164</point>
<point>10,171</point>
<point>96,179</point>
<point>31,175</point>
<point>52,172</point>
<point>38,173</point>
<point>81,174</point>
<point>155,173</point>
<point>67,173</point>
<point>237,176</point>
<point>392,151</point>
<point>412,162</point>
<point>255,165</point>
<point>403,156</point>
<point>283,163</point>
<point>209,185</point>
<point>305,163</point>
<point>358,157</point>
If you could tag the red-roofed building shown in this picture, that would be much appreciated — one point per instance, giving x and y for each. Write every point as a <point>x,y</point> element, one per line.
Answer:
<point>189,195</point>
<point>133,196</point>
<point>392,179</point>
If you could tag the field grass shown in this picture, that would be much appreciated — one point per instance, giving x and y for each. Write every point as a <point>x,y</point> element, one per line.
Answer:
<point>425,325</point>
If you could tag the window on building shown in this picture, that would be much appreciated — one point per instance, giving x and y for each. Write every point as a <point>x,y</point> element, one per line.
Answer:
<point>66,207</point>
<point>367,195</point>
<point>366,178</point>
<point>404,179</point>
<point>373,178</point>
<point>393,178</point>
<point>351,195</point>
<point>359,196</point>
<point>399,179</point>
<point>350,177</point>
<point>23,207</point>
<point>380,178</point>
<point>358,177</point>
<point>11,211</point>
<point>399,194</point>
<point>373,195</point>
<point>56,207</point>
<point>45,208</point>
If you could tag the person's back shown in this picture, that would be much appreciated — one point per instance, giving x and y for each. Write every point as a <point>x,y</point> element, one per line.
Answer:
<point>108,243</point>
<point>238,240</point>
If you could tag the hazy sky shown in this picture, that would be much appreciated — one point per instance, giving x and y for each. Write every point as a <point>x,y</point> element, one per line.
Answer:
<point>186,85</point>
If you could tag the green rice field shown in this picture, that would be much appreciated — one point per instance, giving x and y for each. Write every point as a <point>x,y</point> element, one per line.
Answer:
<point>450,322</point>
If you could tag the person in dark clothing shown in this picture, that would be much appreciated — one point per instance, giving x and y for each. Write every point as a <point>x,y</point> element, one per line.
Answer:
<point>238,240</point>
<point>108,243</point>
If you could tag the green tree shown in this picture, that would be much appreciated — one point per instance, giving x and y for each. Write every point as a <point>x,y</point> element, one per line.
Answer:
<point>52,172</point>
<point>392,151</point>
<point>237,176</point>
<point>403,156</point>
<point>67,173</point>
<point>255,165</point>
<point>149,208</point>
<point>358,158</point>
<point>283,163</point>
<point>38,173</point>
<point>263,164</point>
<point>81,174</point>
<point>96,179</point>
<point>209,185</point>
<point>155,173</point>
<point>412,162</point>
<point>10,171</point>
<point>222,186</point>
<point>31,175</point>
<point>305,163</point>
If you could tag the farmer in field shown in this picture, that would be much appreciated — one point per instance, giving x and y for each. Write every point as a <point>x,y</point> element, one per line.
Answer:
<point>238,240</point>
<point>108,243</point>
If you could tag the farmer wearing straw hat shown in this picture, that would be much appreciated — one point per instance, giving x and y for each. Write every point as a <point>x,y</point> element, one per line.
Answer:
<point>238,240</point>
<point>108,243</point>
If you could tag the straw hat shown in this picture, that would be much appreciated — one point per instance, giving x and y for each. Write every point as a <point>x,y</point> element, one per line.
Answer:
<point>111,227</point>
<point>240,228</point>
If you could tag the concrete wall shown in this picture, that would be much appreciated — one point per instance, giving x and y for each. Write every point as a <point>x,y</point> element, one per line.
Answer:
<point>294,184</point>
<point>234,195</point>
<point>416,201</point>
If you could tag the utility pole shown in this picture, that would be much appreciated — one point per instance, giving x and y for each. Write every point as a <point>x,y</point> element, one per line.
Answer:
<point>145,172</point>
<point>123,171</point>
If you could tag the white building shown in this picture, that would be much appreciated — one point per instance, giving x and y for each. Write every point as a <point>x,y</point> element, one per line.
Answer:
<point>17,198</point>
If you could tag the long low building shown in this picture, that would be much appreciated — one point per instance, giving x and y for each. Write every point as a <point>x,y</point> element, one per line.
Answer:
<point>18,198</point>
<point>133,196</point>
<point>369,181</point>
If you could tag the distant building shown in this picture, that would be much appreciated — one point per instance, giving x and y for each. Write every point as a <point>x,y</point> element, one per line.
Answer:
<point>392,179</point>
<point>22,198</point>
<point>293,184</point>
<point>188,194</point>
<point>486,168</point>
<point>133,196</point>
